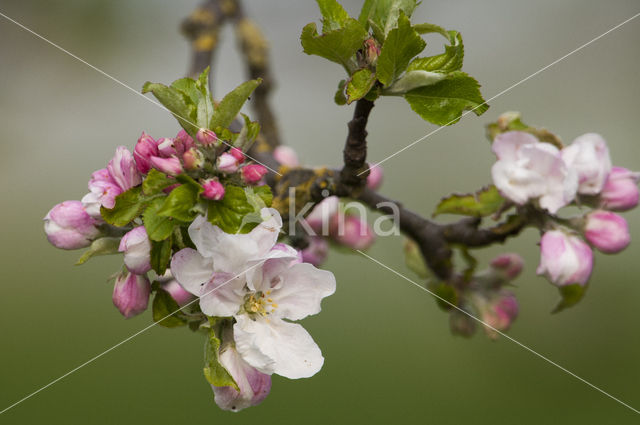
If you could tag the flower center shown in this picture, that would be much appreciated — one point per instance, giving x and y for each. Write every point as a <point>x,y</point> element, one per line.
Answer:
<point>259,303</point>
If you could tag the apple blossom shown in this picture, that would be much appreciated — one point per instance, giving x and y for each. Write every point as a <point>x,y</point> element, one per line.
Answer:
<point>565,259</point>
<point>123,170</point>
<point>243,276</point>
<point>227,163</point>
<point>254,385</point>
<point>510,265</point>
<point>316,252</point>
<point>166,147</point>
<point>351,231</point>
<point>253,173</point>
<point>286,156</point>
<point>69,226</point>
<point>137,250</point>
<point>193,159</point>
<point>131,294</point>
<point>144,150</point>
<point>529,169</point>
<point>607,231</point>
<point>498,311</point>
<point>588,155</point>
<point>170,166</point>
<point>620,191</point>
<point>102,192</point>
<point>213,189</point>
<point>206,137</point>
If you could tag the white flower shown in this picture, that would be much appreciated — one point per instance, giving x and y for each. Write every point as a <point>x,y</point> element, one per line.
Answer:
<point>588,155</point>
<point>528,169</point>
<point>259,283</point>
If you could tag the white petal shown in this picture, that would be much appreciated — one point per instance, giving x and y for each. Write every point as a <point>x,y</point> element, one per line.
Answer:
<point>273,263</point>
<point>507,145</point>
<point>266,233</point>
<point>222,296</point>
<point>276,346</point>
<point>191,269</point>
<point>301,291</point>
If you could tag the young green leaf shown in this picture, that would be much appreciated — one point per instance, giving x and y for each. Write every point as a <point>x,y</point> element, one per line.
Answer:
<point>340,97</point>
<point>338,46</point>
<point>102,246</point>
<point>443,103</point>
<point>128,206</point>
<point>158,227</point>
<point>383,15</point>
<point>333,15</point>
<point>571,295</point>
<point>180,202</point>
<point>449,61</point>
<point>214,372</point>
<point>177,102</point>
<point>164,305</point>
<point>230,105</point>
<point>155,182</point>
<point>239,210</point>
<point>483,203</point>
<point>161,255</point>
<point>412,80</point>
<point>359,84</point>
<point>414,259</point>
<point>401,45</point>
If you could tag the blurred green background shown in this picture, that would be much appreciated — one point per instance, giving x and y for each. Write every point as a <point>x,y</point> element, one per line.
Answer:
<point>389,355</point>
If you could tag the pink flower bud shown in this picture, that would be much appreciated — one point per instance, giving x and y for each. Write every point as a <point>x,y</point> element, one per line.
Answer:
<point>183,142</point>
<point>286,156</point>
<point>206,137</point>
<point>178,293</point>
<point>620,192</point>
<point>351,231</point>
<point>321,215</point>
<point>588,155</point>
<point>508,264</point>
<point>565,259</point>
<point>131,294</point>
<point>237,154</point>
<point>607,231</point>
<point>145,149</point>
<point>253,173</point>
<point>137,250</point>
<point>372,50</point>
<point>213,189</point>
<point>499,312</point>
<point>166,147</point>
<point>374,179</point>
<point>123,169</point>
<point>170,166</point>
<point>254,385</point>
<point>317,251</point>
<point>227,163</point>
<point>69,226</point>
<point>193,159</point>
<point>103,192</point>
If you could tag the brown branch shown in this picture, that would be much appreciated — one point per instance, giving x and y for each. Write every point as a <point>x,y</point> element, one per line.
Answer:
<point>353,176</point>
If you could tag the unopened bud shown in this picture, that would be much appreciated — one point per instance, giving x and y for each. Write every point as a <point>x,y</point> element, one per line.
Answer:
<point>253,173</point>
<point>144,150</point>
<point>137,250</point>
<point>213,189</point>
<point>607,231</point>
<point>206,137</point>
<point>286,156</point>
<point>170,166</point>
<point>620,192</point>
<point>193,159</point>
<point>227,163</point>
<point>131,294</point>
<point>565,259</point>
<point>374,179</point>
<point>69,226</point>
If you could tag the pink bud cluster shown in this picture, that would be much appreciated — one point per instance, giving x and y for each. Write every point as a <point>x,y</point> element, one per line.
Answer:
<point>538,173</point>
<point>169,155</point>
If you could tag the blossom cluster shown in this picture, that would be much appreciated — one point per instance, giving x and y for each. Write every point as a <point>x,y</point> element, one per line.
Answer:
<point>537,174</point>
<point>249,287</point>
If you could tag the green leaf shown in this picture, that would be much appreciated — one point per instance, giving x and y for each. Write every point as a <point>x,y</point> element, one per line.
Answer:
<point>188,87</point>
<point>164,305</point>
<point>340,97</point>
<point>180,202</point>
<point>443,103</point>
<point>414,260</point>
<point>177,102</point>
<point>449,61</point>
<point>102,246</point>
<point>402,44</point>
<point>158,227</point>
<point>204,110</point>
<point>214,372</point>
<point>430,28</point>
<point>333,15</point>
<point>247,135</point>
<point>239,210</point>
<point>412,80</point>
<point>571,295</point>
<point>485,202</point>
<point>338,46</point>
<point>128,206</point>
<point>383,15</point>
<point>359,84</point>
<point>230,105</point>
<point>161,255</point>
<point>155,182</point>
